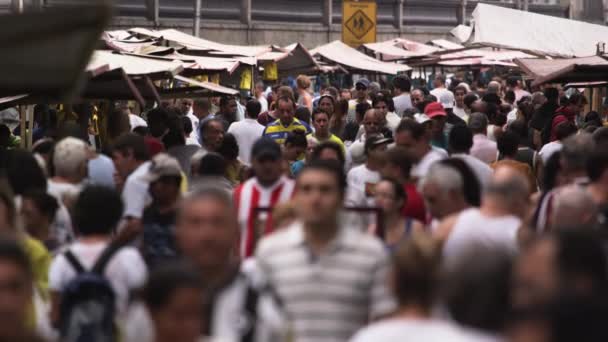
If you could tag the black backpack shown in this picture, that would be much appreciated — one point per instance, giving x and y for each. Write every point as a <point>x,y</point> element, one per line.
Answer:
<point>88,306</point>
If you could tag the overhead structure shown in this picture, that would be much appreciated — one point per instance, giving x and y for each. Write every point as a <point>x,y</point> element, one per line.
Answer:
<point>48,52</point>
<point>535,33</point>
<point>570,70</point>
<point>400,49</point>
<point>294,59</point>
<point>356,61</point>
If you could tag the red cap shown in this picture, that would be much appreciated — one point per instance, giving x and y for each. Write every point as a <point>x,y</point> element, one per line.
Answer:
<point>434,109</point>
<point>154,146</point>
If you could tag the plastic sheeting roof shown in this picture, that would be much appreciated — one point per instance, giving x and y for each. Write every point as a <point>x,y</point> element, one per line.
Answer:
<point>350,58</point>
<point>446,44</point>
<point>196,43</point>
<point>135,65</point>
<point>216,88</point>
<point>295,57</point>
<point>400,48</point>
<point>584,69</point>
<point>536,33</point>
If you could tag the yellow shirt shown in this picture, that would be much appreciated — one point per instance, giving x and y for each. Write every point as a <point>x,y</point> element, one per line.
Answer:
<point>333,138</point>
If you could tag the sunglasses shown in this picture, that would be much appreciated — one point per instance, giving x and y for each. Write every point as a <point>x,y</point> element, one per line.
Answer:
<point>360,88</point>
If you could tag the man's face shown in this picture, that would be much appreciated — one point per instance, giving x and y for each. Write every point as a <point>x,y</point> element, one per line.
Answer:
<point>361,92</point>
<point>213,136</point>
<point>124,163</point>
<point>15,299</point>
<point>231,107</point>
<point>478,107</point>
<point>267,170</point>
<point>317,197</point>
<point>206,232</point>
<point>180,318</point>
<point>345,95</point>
<point>382,108</point>
<point>32,217</point>
<point>371,123</point>
<point>417,97</point>
<point>164,191</point>
<point>406,140</point>
<point>185,105</point>
<point>438,124</point>
<point>321,124</point>
<point>439,202</point>
<point>326,105</point>
<point>459,97</point>
<point>285,112</point>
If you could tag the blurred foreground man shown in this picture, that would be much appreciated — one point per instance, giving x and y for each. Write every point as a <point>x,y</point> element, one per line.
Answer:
<point>314,264</point>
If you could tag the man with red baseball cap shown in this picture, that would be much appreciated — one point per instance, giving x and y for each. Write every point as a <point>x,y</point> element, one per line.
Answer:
<point>437,114</point>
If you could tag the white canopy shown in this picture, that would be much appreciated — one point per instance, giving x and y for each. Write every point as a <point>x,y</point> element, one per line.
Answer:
<point>353,59</point>
<point>400,48</point>
<point>134,65</point>
<point>540,34</point>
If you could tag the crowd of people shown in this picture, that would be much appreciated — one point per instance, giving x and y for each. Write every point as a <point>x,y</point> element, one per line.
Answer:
<point>444,213</point>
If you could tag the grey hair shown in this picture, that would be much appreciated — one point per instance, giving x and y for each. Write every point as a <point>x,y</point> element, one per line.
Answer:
<point>575,151</point>
<point>572,204</point>
<point>206,191</point>
<point>493,87</point>
<point>511,190</point>
<point>445,177</point>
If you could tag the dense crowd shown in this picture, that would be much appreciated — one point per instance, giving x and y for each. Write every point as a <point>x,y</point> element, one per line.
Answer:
<point>452,212</point>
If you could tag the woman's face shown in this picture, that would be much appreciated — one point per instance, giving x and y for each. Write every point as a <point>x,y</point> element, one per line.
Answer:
<point>385,197</point>
<point>293,153</point>
<point>326,105</point>
<point>382,107</point>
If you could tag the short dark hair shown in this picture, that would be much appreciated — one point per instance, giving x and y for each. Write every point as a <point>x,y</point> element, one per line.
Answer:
<point>134,143</point>
<point>205,125</point>
<point>166,279</point>
<point>12,251</point>
<point>565,129</point>
<point>507,143</point>
<point>229,148</point>
<point>382,97</point>
<point>316,152</point>
<point>600,136</point>
<point>22,171</point>
<point>597,162</point>
<point>329,166</point>
<point>212,164</point>
<point>461,139</point>
<point>470,183</point>
<point>510,96</point>
<point>469,99</point>
<point>402,83</point>
<point>512,81</point>
<point>552,94</point>
<point>520,128</point>
<point>577,99</point>
<point>416,129</point>
<point>362,108</point>
<point>224,100</point>
<point>316,112</point>
<point>253,108</point>
<point>202,102</point>
<point>297,138</point>
<point>398,188</point>
<point>45,203</point>
<point>303,114</point>
<point>401,158</point>
<point>88,219</point>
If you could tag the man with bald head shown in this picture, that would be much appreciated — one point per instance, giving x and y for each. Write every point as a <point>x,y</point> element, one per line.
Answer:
<point>495,224</point>
<point>574,207</point>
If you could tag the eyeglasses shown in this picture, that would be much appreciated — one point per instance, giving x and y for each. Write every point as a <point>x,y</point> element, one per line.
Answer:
<point>360,88</point>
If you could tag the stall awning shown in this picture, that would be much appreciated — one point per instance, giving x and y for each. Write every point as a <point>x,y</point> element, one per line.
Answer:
<point>215,88</point>
<point>536,33</point>
<point>400,48</point>
<point>294,57</point>
<point>137,65</point>
<point>355,60</point>
<point>584,69</point>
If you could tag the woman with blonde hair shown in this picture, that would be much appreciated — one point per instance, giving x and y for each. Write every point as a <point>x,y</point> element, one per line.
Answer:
<point>304,97</point>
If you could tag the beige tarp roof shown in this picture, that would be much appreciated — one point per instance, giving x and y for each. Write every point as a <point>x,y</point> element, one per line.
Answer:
<point>136,65</point>
<point>462,32</point>
<point>350,58</point>
<point>541,34</point>
<point>216,88</point>
<point>196,43</point>
<point>584,69</point>
<point>400,48</point>
<point>293,58</point>
<point>446,44</point>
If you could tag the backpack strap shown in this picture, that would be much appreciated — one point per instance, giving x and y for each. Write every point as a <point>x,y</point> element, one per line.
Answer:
<point>71,258</point>
<point>105,257</point>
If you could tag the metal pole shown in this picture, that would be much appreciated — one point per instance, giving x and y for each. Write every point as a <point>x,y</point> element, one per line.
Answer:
<point>197,17</point>
<point>17,6</point>
<point>526,3</point>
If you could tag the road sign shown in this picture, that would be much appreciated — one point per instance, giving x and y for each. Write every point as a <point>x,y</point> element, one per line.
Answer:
<point>358,22</point>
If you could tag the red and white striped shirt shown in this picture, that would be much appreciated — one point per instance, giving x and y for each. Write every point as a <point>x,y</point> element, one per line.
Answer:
<point>251,195</point>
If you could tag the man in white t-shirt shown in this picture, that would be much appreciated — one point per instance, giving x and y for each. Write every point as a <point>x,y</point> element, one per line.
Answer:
<point>413,136</point>
<point>363,178</point>
<point>97,212</point>
<point>494,225</point>
<point>402,99</point>
<point>259,95</point>
<point>70,160</point>
<point>130,156</point>
<point>440,90</point>
<point>247,131</point>
<point>460,143</point>
<point>415,266</point>
<point>562,131</point>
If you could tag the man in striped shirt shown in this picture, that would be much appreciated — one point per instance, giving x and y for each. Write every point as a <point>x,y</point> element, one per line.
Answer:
<point>267,189</point>
<point>330,278</point>
<point>286,122</point>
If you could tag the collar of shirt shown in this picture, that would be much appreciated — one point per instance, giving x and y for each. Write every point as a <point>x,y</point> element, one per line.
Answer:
<point>341,240</point>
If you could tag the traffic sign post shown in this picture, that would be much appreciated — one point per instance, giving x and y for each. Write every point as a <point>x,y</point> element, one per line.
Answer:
<point>358,22</point>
